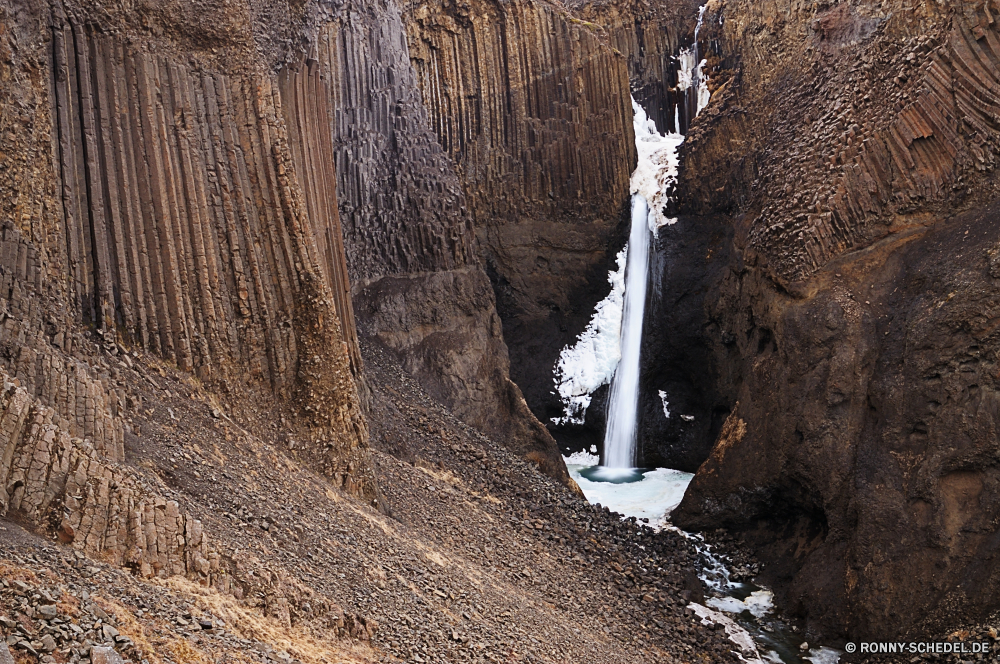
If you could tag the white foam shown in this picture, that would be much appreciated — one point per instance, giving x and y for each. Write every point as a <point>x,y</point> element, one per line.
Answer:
<point>823,655</point>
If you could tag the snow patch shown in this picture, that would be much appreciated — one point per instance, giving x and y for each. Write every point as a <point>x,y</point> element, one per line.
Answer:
<point>656,171</point>
<point>736,634</point>
<point>592,360</point>
<point>663,399</point>
<point>582,459</point>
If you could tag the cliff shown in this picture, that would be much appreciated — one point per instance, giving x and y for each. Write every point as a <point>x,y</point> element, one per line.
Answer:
<point>531,104</point>
<point>850,158</point>
<point>651,36</point>
<point>417,281</point>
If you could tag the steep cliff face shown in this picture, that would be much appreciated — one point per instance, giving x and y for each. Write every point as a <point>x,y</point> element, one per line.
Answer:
<point>850,316</point>
<point>651,36</point>
<point>532,106</point>
<point>152,205</point>
<point>418,284</point>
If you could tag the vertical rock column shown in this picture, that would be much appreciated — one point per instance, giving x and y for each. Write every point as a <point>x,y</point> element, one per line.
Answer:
<point>533,106</point>
<point>192,228</point>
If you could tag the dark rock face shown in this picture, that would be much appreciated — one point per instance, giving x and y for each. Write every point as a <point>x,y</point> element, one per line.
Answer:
<point>866,474</point>
<point>532,105</point>
<point>850,321</point>
<point>690,260</point>
<point>418,285</point>
<point>650,35</point>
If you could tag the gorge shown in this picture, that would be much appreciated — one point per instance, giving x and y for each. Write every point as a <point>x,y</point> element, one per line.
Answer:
<point>304,301</point>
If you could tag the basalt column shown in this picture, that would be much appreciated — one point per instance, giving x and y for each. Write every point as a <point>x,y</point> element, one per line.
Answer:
<point>533,107</point>
<point>418,285</point>
<point>186,231</point>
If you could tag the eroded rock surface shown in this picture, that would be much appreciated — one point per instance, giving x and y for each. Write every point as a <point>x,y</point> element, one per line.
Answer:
<point>531,103</point>
<point>417,280</point>
<point>852,147</point>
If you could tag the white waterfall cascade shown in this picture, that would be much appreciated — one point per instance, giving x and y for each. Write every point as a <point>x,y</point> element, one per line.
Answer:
<point>608,350</point>
<point>620,434</point>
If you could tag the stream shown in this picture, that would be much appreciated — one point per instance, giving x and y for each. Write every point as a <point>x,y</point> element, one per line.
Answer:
<point>746,611</point>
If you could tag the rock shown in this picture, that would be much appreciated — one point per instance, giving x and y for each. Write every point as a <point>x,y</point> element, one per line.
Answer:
<point>48,643</point>
<point>105,655</point>
<point>48,611</point>
<point>5,656</point>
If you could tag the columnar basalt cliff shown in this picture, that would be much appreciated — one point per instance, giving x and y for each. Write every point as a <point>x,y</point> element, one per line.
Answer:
<point>185,230</point>
<point>850,314</point>
<point>651,35</point>
<point>99,507</point>
<point>417,281</point>
<point>213,215</point>
<point>532,105</point>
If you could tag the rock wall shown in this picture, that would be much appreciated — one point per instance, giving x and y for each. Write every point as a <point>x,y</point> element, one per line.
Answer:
<point>418,284</point>
<point>63,485</point>
<point>848,315</point>
<point>650,35</point>
<point>532,106</point>
<point>163,211</point>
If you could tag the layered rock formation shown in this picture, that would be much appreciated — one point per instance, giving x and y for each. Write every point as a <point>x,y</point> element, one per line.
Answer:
<point>532,105</point>
<point>64,485</point>
<point>162,212</point>
<point>849,318</point>
<point>418,284</point>
<point>651,36</point>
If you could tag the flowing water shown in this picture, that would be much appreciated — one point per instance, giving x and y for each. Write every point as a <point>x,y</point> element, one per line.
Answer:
<point>610,350</point>
<point>623,405</point>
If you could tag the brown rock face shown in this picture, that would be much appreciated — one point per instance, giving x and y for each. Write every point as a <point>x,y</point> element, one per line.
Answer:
<point>849,318</point>
<point>59,482</point>
<point>650,35</point>
<point>532,106</point>
<point>165,212</point>
<point>418,285</point>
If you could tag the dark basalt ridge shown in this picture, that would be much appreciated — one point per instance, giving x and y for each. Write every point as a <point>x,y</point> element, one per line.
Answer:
<point>852,150</point>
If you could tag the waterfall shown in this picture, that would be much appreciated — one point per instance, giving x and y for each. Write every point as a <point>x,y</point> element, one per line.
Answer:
<point>620,435</point>
<point>608,350</point>
<point>655,172</point>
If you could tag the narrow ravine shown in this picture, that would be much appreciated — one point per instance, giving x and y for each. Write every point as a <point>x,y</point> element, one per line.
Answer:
<point>609,351</point>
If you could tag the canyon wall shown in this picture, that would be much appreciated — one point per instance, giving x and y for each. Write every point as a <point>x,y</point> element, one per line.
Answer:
<point>418,284</point>
<point>532,106</point>
<point>850,316</point>
<point>650,35</point>
<point>152,204</point>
